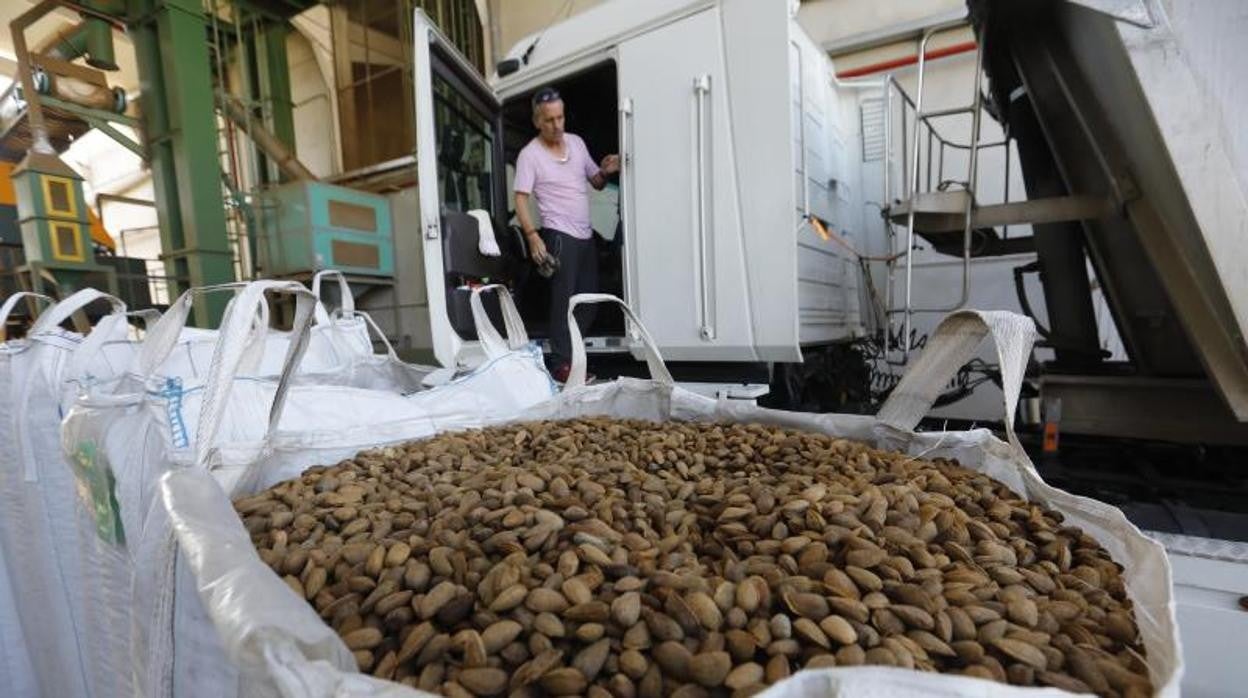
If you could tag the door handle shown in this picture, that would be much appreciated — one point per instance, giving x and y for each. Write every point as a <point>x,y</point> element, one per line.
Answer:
<point>701,92</point>
<point>626,207</point>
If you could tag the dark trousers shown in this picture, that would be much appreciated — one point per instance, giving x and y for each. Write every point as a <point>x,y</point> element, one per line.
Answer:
<point>578,273</point>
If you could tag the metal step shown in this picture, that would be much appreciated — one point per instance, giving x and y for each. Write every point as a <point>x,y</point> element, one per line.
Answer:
<point>945,211</point>
<point>985,242</point>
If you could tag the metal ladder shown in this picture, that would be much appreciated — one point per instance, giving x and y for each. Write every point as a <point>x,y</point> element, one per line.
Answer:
<point>928,205</point>
<point>955,205</point>
<point>228,22</point>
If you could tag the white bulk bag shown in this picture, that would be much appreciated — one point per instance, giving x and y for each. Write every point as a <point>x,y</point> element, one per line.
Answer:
<point>279,646</point>
<point>148,423</point>
<point>64,613</point>
<point>10,304</point>
<point>335,340</point>
<point>357,369</point>
<point>16,668</point>
<point>239,426</point>
<point>508,379</point>
<point>343,333</point>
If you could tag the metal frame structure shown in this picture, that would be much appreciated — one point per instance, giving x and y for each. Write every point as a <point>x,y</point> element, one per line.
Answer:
<point>926,207</point>
<point>180,138</point>
<point>181,48</point>
<point>359,44</point>
<point>913,155</point>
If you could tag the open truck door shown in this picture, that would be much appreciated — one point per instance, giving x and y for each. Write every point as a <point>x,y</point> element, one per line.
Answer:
<point>459,168</point>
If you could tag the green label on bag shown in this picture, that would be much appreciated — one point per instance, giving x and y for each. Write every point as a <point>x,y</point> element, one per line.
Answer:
<point>96,487</point>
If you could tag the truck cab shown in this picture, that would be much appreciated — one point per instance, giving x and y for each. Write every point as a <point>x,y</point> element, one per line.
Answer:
<point>733,135</point>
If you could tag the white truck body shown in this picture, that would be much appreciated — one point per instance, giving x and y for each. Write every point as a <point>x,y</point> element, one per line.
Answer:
<point>732,131</point>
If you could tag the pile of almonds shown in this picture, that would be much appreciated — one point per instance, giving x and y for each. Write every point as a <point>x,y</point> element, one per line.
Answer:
<point>631,559</point>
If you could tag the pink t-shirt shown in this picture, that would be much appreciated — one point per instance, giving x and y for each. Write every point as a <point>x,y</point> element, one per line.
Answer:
<point>561,188</point>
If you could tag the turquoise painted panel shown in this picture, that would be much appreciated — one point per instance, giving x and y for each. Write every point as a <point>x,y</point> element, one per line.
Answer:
<point>320,202</point>
<point>325,239</point>
<point>298,221</point>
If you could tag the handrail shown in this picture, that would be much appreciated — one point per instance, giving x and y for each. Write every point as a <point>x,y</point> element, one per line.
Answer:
<point>915,146</point>
<point>926,152</point>
<point>913,189</point>
<point>892,81</point>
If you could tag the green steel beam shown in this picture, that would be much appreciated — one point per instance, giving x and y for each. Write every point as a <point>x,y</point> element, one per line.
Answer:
<point>121,138</point>
<point>266,81</point>
<point>69,46</point>
<point>90,113</point>
<point>181,142</point>
<point>252,82</point>
<point>93,37</point>
<point>99,44</point>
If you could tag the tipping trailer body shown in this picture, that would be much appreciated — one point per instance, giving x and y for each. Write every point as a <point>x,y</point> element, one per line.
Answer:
<point>1141,102</point>
<point>1137,103</point>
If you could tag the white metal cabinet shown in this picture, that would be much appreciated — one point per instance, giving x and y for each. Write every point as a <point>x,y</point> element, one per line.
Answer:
<point>686,263</point>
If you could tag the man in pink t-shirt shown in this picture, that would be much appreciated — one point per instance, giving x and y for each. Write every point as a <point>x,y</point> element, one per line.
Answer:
<point>556,168</point>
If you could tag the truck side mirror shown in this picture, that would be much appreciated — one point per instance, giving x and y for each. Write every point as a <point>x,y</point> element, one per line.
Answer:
<point>507,67</point>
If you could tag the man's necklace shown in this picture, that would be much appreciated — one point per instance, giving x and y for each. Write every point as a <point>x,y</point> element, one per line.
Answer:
<point>567,154</point>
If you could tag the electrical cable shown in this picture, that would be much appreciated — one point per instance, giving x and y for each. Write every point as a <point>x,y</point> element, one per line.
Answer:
<point>1021,291</point>
<point>874,350</point>
<point>823,232</point>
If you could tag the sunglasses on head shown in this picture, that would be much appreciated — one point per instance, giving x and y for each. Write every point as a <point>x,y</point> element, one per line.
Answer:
<point>546,95</point>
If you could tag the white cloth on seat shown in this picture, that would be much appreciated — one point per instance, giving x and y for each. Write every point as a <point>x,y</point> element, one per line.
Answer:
<point>487,244</point>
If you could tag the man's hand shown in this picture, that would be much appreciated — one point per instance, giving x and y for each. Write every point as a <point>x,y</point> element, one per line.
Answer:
<point>610,165</point>
<point>537,248</point>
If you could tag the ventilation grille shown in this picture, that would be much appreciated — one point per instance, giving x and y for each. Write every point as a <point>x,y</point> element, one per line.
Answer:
<point>872,111</point>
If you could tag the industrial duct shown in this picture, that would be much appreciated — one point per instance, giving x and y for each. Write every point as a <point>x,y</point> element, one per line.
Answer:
<point>269,144</point>
<point>93,38</point>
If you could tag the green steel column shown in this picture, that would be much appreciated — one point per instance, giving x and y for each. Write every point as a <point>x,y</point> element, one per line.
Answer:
<point>268,82</point>
<point>275,82</point>
<point>181,138</point>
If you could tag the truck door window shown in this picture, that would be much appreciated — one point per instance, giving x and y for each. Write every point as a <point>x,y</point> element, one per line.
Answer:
<point>465,151</point>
